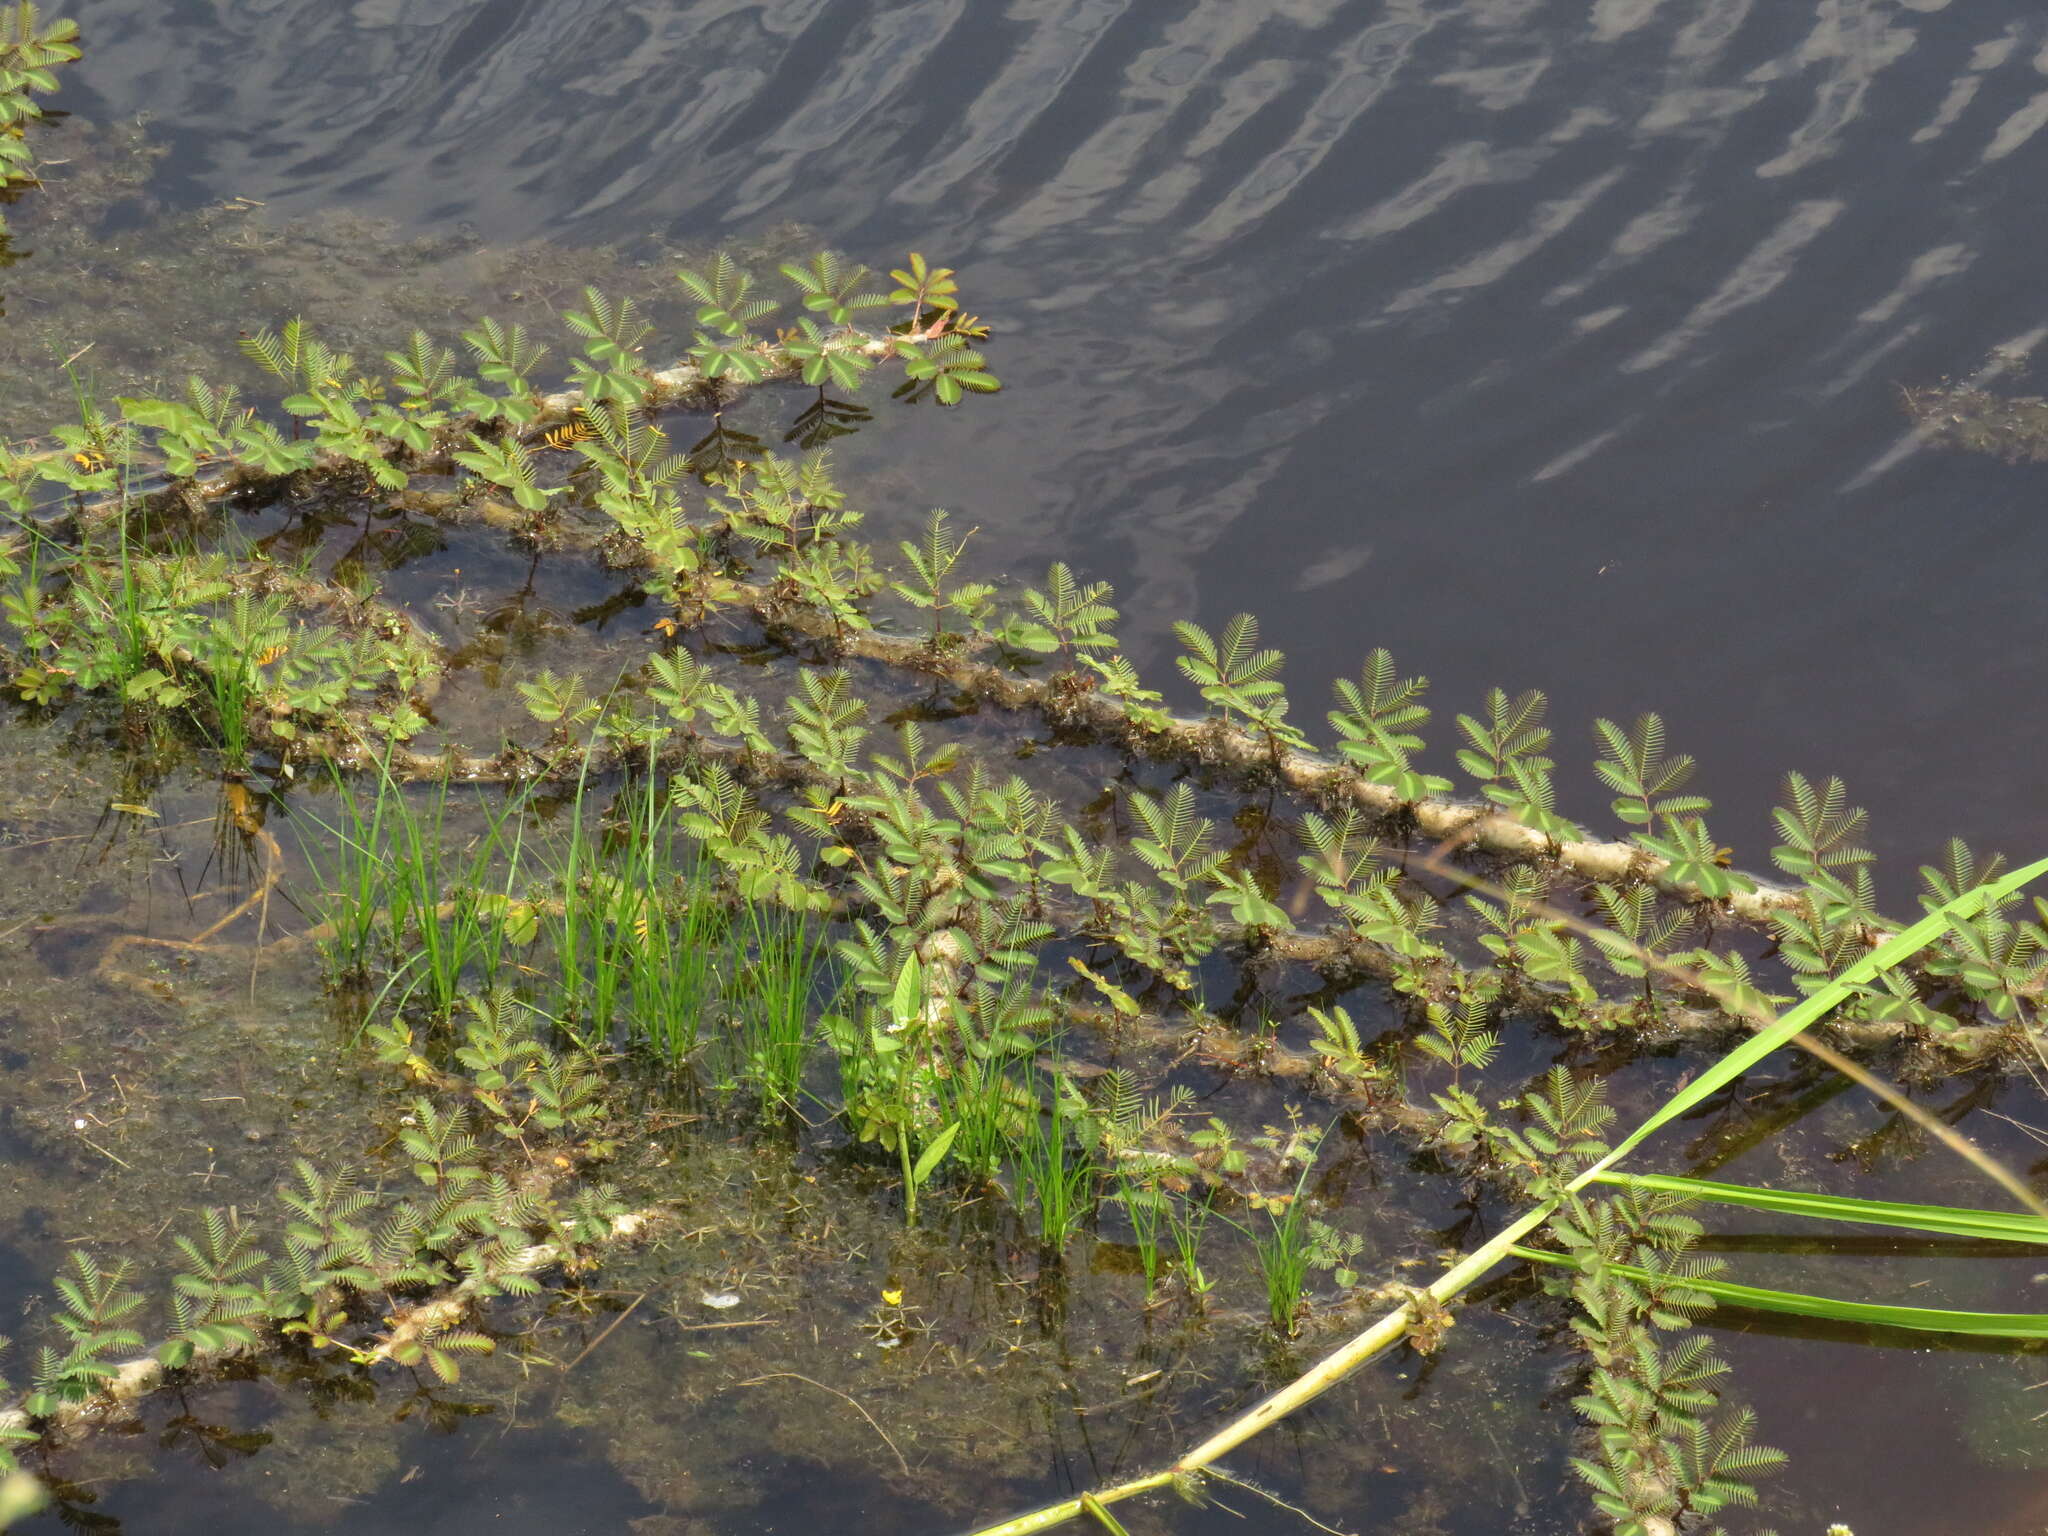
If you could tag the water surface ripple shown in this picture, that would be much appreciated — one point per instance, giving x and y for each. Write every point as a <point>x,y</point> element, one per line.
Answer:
<point>1549,344</point>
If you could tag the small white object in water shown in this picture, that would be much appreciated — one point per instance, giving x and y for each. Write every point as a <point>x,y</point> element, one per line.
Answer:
<point>720,1299</point>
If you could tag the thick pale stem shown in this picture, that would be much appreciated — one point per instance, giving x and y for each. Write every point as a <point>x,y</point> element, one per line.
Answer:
<point>1381,1336</point>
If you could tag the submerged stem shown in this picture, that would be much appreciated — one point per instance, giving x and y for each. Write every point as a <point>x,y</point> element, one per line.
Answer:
<point>1393,1327</point>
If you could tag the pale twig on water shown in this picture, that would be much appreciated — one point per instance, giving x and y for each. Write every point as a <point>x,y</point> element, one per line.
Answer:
<point>753,1381</point>
<point>614,1323</point>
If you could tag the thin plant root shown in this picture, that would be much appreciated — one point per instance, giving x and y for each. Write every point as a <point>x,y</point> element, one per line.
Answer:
<point>1221,1476</point>
<point>258,900</point>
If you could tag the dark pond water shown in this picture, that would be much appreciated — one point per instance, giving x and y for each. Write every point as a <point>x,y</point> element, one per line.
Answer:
<point>1548,344</point>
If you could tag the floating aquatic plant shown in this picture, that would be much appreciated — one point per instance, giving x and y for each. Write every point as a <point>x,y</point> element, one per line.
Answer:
<point>767,893</point>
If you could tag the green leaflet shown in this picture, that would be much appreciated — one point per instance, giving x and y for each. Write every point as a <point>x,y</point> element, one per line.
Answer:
<point>1948,1220</point>
<point>934,1154</point>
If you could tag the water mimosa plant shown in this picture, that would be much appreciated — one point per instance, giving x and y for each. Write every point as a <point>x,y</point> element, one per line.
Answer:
<point>30,49</point>
<point>799,890</point>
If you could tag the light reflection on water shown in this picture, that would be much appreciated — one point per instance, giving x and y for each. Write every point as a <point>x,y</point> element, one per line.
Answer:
<point>1552,345</point>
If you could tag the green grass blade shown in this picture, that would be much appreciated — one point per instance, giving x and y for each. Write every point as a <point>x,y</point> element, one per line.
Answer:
<point>1982,1325</point>
<point>1103,1517</point>
<point>1900,947</point>
<point>1952,1221</point>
